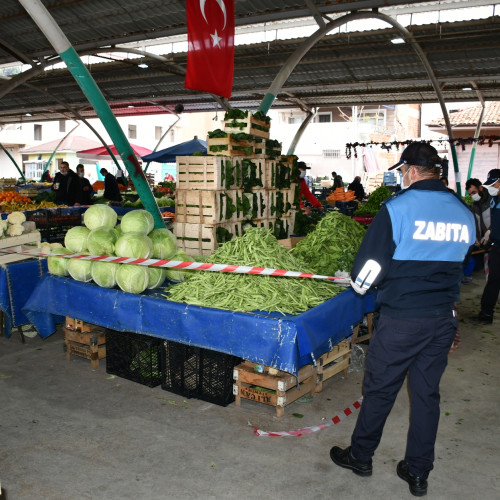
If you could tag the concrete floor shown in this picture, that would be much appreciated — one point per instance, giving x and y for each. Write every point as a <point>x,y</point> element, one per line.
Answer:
<point>67,432</point>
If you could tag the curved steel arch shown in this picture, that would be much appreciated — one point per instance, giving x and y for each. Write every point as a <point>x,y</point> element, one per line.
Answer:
<point>301,51</point>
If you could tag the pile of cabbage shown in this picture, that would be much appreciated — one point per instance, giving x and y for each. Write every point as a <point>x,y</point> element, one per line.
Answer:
<point>134,237</point>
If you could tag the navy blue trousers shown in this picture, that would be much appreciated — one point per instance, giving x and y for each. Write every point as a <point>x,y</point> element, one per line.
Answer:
<point>418,347</point>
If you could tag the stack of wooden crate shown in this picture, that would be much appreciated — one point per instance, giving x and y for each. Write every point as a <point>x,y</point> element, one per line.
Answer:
<point>217,196</point>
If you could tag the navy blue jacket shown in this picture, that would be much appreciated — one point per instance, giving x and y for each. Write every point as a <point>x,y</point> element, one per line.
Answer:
<point>495,221</point>
<point>420,237</point>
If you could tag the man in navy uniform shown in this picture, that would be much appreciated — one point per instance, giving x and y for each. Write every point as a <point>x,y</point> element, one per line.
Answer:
<point>413,253</point>
<point>492,288</point>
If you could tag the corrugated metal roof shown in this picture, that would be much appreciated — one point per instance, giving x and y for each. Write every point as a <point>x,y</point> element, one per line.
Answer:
<point>343,68</point>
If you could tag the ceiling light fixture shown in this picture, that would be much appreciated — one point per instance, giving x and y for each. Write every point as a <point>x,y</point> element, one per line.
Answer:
<point>467,88</point>
<point>397,40</point>
<point>143,65</point>
<point>29,114</point>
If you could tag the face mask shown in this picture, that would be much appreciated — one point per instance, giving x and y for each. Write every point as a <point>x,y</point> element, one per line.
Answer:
<point>402,180</point>
<point>302,174</point>
<point>492,190</point>
<point>64,173</point>
<point>81,174</point>
<point>475,196</point>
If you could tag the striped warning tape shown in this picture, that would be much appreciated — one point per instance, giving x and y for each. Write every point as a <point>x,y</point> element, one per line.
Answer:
<point>315,428</point>
<point>187,265</point>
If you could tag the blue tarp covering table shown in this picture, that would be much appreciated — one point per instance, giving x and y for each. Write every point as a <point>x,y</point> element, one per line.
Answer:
<point>17,281</point>
<point>285,342</point>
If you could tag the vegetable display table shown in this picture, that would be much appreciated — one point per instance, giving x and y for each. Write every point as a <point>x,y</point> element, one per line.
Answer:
<point>17,282</point>
<point>285,342</point>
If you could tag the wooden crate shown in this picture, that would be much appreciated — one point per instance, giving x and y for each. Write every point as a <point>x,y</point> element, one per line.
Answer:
<point>263,151</point>
<point>291,242</point>
<point>233,146</point>
<point>202,239</point>
<point>283,386</point>
<point>282,199</point>
<point>278,175</point>
<point>7,185</point>
<point>87,345</point>
<point>333,362</point>
<point>356,339</point>
<point>250,126</point>
<point>78,325</point>
<point>243,174</point>
<point>204,207</point>
<point>205,172</point>
<point>24,242</point>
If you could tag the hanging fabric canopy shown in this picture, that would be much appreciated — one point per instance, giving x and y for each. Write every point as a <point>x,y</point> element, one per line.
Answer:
<point>103,152</point>
<point>168,155</point>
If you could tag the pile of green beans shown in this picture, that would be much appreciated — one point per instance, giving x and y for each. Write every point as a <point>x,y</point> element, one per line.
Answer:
<point>332,245</point>
<point>246,292</point>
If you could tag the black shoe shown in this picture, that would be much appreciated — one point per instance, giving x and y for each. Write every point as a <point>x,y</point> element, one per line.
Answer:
<point>344,458</point>
<point>418,485</point>
<point>482,317</point>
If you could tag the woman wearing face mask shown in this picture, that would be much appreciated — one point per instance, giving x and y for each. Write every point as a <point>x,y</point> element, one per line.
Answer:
<point>480,208</point>
<point>492,288</point>
<point>304,189</point>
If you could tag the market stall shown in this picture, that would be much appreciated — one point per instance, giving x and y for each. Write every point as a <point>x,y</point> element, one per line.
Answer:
<point>286,342</point>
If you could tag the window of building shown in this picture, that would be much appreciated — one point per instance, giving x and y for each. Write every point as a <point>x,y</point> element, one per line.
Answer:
<point>172,135</point>
<point>132,131</point>
<point>323,118</point>
<point>373,117</point>
<point>62,125</point>
<point>37,132</point>
<point>34,169</point>
<point>331,153</point>
<point>158,133</point>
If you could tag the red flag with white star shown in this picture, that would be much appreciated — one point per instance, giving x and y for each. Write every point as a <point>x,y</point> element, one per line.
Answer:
<point>210,63</point>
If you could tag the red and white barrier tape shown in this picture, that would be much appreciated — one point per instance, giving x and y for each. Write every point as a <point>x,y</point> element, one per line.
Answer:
<point>186,265</point>
<point>315,428</point>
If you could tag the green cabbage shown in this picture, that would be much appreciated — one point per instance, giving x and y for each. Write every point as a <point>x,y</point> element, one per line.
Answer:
<point>132,279</point>
<point>59,265</point>
<point>176,274</point>
<point>157,276</point>
<point>101,241</point>
<point>164,244</point>
<point>137,221</point>
<point>135,245</point>
<point>76,239</point>
<point>104,273</point>
<point>80,270</point>
<point>99,216</point>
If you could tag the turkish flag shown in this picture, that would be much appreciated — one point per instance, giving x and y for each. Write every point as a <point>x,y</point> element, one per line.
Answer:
<point>210,62</point>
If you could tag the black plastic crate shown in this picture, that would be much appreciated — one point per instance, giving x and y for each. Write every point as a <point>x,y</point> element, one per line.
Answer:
<point>194,372</point>
<point>134,356</point>
<point>54,234</point>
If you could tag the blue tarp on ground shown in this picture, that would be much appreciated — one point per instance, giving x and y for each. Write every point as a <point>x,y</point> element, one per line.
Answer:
<point>285,342</point>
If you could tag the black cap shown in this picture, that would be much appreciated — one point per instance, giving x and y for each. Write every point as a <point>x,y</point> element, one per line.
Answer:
<point>302,165</point>
<point>419,154</point>
<point>493,176</point>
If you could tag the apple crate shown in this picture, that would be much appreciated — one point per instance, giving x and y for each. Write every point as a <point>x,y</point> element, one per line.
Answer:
<point>278,175</point>
<point>88,345</point>
<point>333,362</point>
<point>249,172</point>
<point>205,172</point>
<point>248,125</point>
<point>267,148</point>
<point>206,207</point>
<point>280,202</point>
<point>281,228</point>
<point>252,205</point>
<point>228,146</point>
<point>203,239</point>
<point>269,386</point>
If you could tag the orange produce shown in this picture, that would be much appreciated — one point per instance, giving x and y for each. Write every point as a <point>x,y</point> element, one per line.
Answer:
<point>98,185</point>
<point>14,197</point>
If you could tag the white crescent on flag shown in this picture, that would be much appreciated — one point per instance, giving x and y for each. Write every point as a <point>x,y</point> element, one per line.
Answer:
<point>222,6</point>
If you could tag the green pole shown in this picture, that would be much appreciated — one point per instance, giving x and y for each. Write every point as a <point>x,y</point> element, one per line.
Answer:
<point>61,44</point>
<point>13,161</point>
<point>56,148</point>
<point>476,136</point>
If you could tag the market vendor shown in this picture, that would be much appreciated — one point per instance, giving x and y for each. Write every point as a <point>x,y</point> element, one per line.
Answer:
<point>413,252</point>
<point>304,188</point>
<point>66,186</point>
